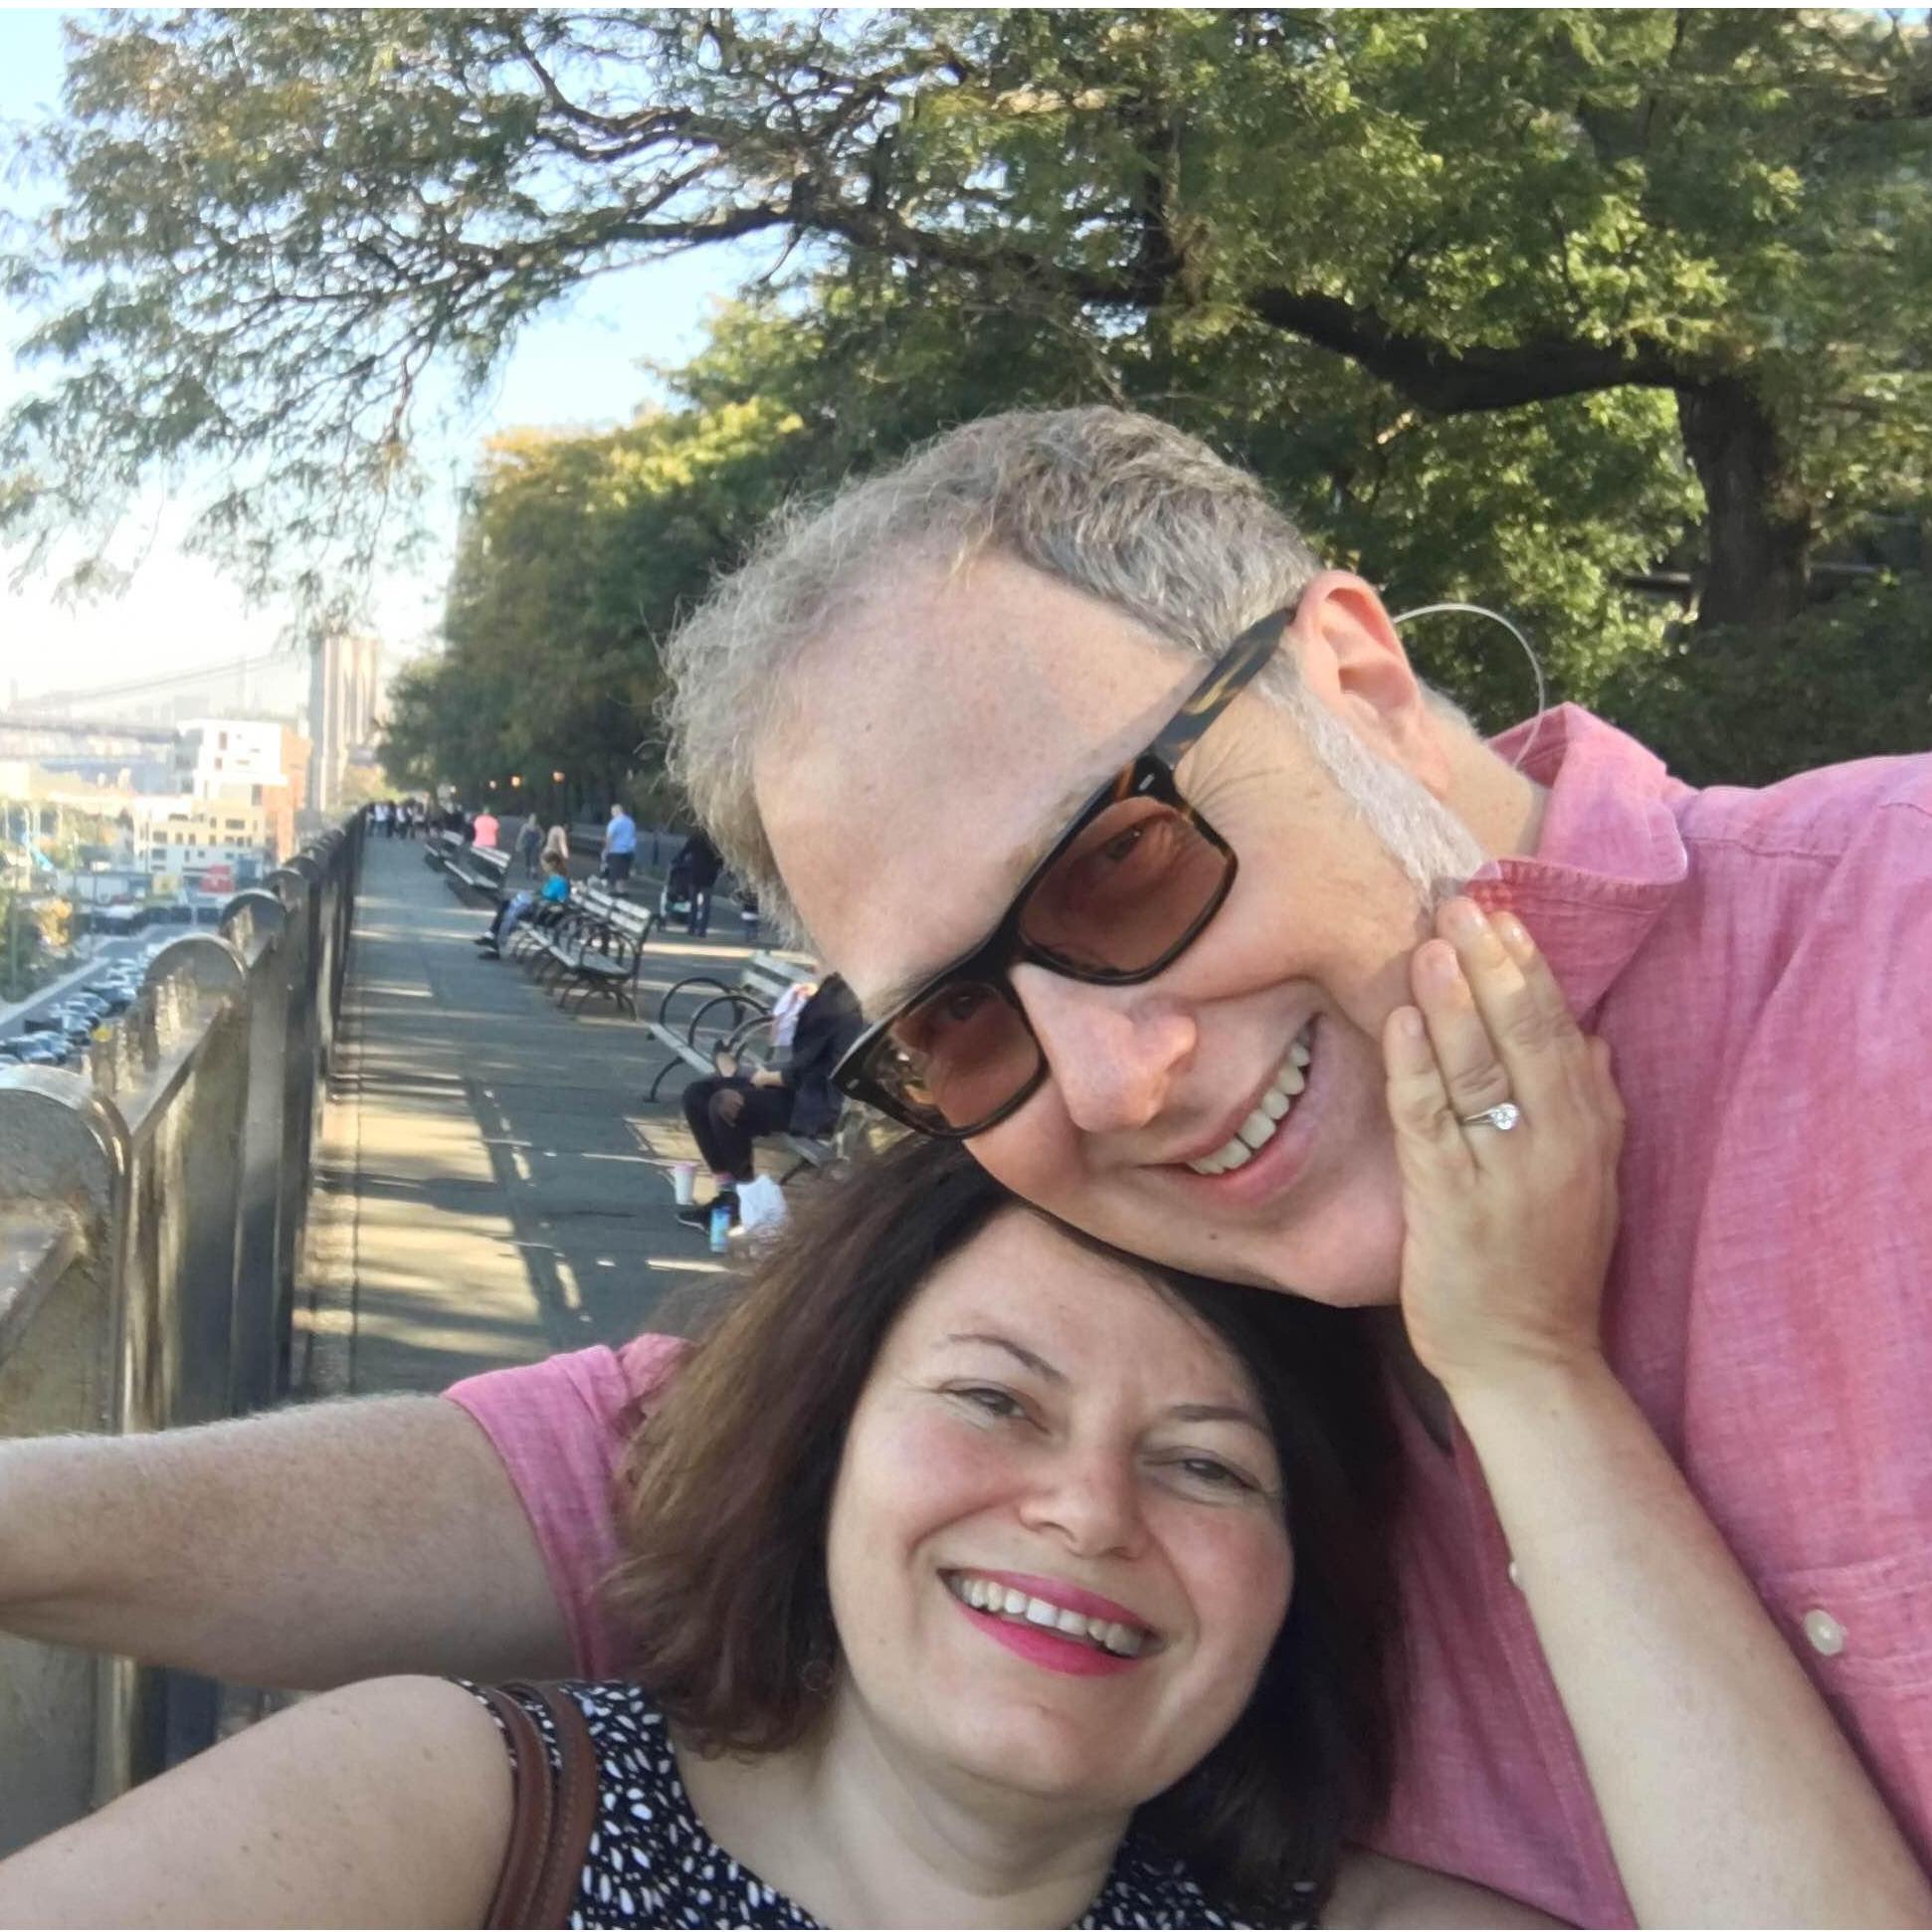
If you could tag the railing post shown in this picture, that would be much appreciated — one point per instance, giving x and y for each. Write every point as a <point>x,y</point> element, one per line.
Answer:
<point>301,1065</point>
<point>256,923</point>
<point>179,1327</point>
<point>64,1168</point>
<point>177,1305</point>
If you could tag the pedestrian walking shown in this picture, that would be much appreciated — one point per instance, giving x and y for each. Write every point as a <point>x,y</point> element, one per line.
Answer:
<point>620,848</point>
<point>530,838</point>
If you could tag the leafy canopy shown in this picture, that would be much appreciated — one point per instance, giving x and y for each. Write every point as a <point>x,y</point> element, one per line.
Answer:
<point>274,227</point>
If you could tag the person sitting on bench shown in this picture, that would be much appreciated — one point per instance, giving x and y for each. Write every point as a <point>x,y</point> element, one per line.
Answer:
<point>729,1110</point>
<point>555,890</point>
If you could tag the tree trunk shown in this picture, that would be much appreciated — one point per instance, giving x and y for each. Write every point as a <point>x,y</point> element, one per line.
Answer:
<point>1757,523</point>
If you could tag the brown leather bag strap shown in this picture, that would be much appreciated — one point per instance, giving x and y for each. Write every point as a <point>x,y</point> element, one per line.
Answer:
<point>577,1807</point>
<point>552,1812</point>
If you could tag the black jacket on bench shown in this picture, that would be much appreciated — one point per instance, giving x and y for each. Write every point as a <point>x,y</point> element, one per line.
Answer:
<point>827,1026</point>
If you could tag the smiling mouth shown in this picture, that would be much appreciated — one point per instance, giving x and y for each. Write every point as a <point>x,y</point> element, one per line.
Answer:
<point>1274,1108</point>
<point>995,1598</point>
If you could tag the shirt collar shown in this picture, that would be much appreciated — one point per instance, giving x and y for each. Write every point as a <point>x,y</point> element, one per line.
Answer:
<point>1610,857</point>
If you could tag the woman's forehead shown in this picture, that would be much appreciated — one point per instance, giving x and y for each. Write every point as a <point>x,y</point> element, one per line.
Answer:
<point>1055,1292</point>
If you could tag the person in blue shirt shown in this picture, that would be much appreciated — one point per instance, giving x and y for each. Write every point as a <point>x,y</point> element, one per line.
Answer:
<point>555,890</point>
<point>620,848</point>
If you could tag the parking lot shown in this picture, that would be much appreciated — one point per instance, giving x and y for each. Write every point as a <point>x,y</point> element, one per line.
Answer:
<point>55,1030</point>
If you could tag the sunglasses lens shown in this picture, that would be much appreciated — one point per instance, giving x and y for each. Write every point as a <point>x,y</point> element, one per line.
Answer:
<point>1128,891</point>
<point>958,1058</point>
<point>1124,897</point>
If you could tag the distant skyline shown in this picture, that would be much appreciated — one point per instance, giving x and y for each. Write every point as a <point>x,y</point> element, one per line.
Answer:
<point>576,365</point>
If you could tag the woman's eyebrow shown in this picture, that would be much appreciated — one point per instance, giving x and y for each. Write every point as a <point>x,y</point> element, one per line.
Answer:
<point>1036,1363</point>
<point>1219,1412</point>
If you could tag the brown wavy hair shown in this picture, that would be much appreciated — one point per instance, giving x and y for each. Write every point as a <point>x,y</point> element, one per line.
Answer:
<point>725,1494</point>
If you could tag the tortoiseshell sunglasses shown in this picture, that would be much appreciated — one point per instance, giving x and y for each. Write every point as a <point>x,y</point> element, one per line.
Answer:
<point>1125,889</point>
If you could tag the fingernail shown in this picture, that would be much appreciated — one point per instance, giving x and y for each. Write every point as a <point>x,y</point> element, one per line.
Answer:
<point>1440,963</point>
<point>1463,919</point>
<point>1408,1023</point>
<point>1515,935</point>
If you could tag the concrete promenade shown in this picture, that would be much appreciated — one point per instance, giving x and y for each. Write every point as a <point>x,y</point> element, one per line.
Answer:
<point>491,1186</point>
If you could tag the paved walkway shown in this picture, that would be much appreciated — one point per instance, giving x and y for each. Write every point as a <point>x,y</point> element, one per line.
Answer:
<point>491,1186</point>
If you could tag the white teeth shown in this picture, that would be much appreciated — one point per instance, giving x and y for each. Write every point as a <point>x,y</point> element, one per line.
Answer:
<point>1122,1640</point>
<point>1275,1106</point>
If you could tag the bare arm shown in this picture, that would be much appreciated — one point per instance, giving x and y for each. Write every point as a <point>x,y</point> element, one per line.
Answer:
<point>1729,1794</point>
<point>385,1803</point>
<point>1375,1891</point>
<point>299,1549</point>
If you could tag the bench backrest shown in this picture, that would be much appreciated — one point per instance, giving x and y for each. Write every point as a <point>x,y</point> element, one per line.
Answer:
<point>767,977</point>
<point>626,916</point>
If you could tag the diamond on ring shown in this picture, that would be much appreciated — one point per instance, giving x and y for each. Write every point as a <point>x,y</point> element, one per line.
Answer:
<point>1501,1118</point>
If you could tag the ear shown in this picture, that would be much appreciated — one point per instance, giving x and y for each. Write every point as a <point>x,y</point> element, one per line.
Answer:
<point>1353,663</point>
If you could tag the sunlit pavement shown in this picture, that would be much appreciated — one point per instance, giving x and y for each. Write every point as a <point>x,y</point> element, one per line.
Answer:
<point>491,1185</point>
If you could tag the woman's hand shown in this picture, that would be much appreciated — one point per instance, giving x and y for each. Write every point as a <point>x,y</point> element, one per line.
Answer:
<point>1728,1794</point>
<point>1509,1233</point>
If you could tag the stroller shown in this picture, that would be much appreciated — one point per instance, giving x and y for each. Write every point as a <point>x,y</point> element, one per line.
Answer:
<point>675,897</point>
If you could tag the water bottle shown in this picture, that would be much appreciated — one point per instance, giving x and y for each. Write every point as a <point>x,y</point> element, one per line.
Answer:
<point>720,1228</point>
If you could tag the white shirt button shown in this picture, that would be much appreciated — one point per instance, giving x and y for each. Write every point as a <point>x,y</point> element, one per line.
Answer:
<point>1823,1633</point>
<point>1516,1575</point>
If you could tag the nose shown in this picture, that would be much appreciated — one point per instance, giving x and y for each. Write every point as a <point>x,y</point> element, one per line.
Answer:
<point>1089,1498</point>
<point>1113,1050</point>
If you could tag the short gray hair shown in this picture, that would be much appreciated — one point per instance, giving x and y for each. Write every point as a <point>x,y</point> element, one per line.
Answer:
<point>1119,505</point>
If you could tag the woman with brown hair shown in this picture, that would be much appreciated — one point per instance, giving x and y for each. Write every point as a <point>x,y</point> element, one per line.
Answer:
<point>980,1576</point>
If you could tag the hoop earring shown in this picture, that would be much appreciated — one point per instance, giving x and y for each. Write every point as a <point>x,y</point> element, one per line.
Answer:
<point>1535,666</point>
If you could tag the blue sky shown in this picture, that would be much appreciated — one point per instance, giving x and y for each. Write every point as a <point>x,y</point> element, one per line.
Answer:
<point>574,365</point>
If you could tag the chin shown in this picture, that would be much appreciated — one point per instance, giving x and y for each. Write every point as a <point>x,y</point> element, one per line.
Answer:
<point>1353,1273</point>
<point>1034,1756</point>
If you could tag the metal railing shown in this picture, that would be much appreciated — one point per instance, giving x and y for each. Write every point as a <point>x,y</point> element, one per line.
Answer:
<point>151,1216</point>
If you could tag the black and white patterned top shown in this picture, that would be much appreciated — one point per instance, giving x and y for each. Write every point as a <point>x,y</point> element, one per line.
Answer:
<point>653,1863</point>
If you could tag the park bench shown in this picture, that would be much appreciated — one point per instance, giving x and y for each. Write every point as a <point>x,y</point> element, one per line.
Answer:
<point>701,1015</point>
<point>593,946</point>
<point>466,867</point>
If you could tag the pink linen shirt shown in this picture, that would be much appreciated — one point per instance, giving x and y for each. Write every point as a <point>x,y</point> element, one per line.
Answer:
<point>1761,964</point>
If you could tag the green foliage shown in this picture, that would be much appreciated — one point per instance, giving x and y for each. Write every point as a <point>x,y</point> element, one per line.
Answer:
<point>1851,679</point>
<point>273,224</point>
<point>1521,308</point>
<point>576,553</point>
<point>24,966</point>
